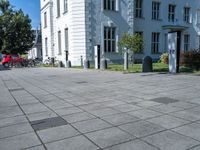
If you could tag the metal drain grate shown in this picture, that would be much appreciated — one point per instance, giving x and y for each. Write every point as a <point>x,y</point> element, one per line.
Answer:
<point>48,123</point>
<point>16,89</point>
<point>164,100</point>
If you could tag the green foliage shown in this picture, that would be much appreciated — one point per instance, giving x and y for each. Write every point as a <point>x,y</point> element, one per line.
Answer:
<point>132,42</point>
<point>164,58</point>
<point>16,34</point>
<point>191,59</point>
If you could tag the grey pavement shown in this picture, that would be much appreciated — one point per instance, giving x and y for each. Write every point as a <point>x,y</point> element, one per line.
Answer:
<point>66,109</point>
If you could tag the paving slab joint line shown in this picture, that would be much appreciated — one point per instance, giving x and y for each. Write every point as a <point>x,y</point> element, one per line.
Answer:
<point>193,147</point>
<point>59,116</point>
<point>26,117</point>
<point>184,135</point>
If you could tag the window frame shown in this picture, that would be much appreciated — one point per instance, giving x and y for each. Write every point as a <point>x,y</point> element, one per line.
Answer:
<point>155,42</point>
<point>58,8</point>
<point>45,19</point>
<point>198,16</point>
<point>59,43</point>
<point>46,46</point>
<point>186,14</point>
<point>65,4</point>
<point>171,13</point>
<point>109,39</point>
<point>186,42</point>
<point>110,5</point>
<point>139,9</point>
<point>155,10</point>
<point>66,39</point>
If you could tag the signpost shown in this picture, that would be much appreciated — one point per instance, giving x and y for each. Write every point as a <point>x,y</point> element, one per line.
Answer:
<point>97,56</point>
<point>172,49</point>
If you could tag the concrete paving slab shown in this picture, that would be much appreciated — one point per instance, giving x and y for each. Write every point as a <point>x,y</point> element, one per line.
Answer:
<point>103,112</point>
<point>34,108</point>
<point>13,120</point>
<point>108,95</point>
<point>166,108</point>
<point>19,142</point>
<point>168,122</point>
<point>189,114</point>
<point>141,128</point>
<point>41,115</point>
<point>12,111</point>
<point>119,119</point>
<point>169,140</point>
<point>83,116</point>
<point>67,111</point>
<point>191,130</point>
<point>75,143</point>
<point>91,125</point>
<point>47,123</point>
<point>57,133</point>
<point>126,107</point>
<point>15,130</point>
<point>145,114</point>
<point>36,148</point>
<point>109,137</point>
<point>133,145</point>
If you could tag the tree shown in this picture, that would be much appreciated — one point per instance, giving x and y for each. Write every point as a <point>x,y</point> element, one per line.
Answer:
<point>130,44</point>
<point>5,6</point>
<point>16,35</point>
<point>134,42</point>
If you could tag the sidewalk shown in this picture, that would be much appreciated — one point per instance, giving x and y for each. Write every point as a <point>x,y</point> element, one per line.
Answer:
<point>60,109</point>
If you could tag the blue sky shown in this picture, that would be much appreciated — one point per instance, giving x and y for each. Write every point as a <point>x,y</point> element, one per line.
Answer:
<point>30,7</point>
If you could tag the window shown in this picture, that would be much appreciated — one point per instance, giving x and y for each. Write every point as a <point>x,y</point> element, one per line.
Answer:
<point>198,16</point>
<point>59,43</point>
<point>138,9</point>
<point>155,38</point>
<point>46,46</point>
<point>186,16</point>
<point>109,5</point>
<point>66,40</point>
<point>45,19</point>
<point>171,13</point>
<point>155,10</point>
<point>186,42</point>
<point>139,33</point>
<point>58,8</point>
<point>109,39</point>
<point>65,5</point>
<point>199,42</point>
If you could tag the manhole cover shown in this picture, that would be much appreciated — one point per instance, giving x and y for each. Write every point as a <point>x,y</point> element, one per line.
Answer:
<point>16,89</point>
<point>164,100</point>
<point>48,123</point>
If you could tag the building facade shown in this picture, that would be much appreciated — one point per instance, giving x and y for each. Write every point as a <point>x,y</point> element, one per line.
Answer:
<point>36,51</point>
<point>71,28</point>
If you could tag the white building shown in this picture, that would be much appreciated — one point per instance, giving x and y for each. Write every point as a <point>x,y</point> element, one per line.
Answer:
<point>36,51</point>
<point>76,26</point>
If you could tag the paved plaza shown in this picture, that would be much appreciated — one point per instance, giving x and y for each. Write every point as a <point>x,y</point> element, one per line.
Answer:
<point>60,109</point>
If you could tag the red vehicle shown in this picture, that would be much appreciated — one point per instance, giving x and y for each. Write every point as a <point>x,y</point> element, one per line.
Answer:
<point>12,60</point>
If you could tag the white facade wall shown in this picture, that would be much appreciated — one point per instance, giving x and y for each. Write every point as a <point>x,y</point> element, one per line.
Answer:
<point>147,25</point>
<point>86,19</point>
<point>47,32</point>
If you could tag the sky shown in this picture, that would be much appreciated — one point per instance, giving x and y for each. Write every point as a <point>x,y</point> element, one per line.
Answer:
<point>30,7</point>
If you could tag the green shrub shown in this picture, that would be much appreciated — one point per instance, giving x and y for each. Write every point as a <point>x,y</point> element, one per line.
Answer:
<point>164,58</point>
<point>191,59</point>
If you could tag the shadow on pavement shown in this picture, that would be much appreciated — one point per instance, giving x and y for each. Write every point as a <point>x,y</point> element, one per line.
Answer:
<point>3,68</point>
